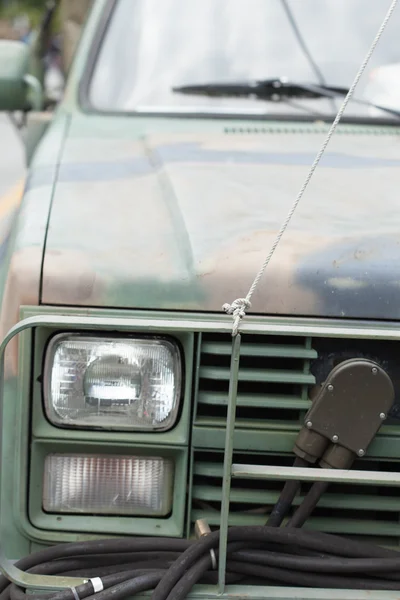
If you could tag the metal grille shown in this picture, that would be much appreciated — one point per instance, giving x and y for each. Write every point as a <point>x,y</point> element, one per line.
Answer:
<point>353,510</point>
<point>274,381</point>
<point>274,378</point>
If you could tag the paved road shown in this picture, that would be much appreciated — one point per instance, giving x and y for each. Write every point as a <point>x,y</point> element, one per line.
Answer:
<point>11,156</point>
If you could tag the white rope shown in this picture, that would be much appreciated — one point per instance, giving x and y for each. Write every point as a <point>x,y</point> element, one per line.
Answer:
<point>238,307</point>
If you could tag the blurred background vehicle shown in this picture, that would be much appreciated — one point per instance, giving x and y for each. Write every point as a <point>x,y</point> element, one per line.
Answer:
<point>52,28</point>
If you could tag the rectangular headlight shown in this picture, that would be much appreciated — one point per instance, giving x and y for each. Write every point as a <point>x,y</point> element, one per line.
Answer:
<point>108,485</point>
<point>112,383</point>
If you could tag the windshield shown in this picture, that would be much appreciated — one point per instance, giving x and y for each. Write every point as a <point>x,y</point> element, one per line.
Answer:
<point>152,46</point>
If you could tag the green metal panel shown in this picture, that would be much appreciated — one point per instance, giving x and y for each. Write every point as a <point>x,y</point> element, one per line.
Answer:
<point>16,544</point>
<point>46,528</point>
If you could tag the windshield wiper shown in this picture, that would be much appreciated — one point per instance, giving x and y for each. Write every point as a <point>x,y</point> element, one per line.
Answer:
<point>273,90</point>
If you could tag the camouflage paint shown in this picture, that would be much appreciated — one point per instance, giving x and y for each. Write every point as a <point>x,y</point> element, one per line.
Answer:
<point>20,269</point>
<point>173,216</point>
<point>20,277</point>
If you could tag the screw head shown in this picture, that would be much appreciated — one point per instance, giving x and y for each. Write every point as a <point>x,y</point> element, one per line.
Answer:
<point>361,452</point>
<point>335,438</point>
<point>382,416</point>
<point>309,424</point>
<point>374,370</point>
<point>330,387</point>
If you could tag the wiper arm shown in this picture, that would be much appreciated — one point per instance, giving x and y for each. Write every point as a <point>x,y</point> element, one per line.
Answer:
<point>266,89</point>
<point>273,90</point>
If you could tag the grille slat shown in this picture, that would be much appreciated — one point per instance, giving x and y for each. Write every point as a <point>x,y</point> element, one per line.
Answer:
<point>346,508</point>
<point>263,350</point>
<point>259,376</point>
<point>273,380</point>
<point>221,399</point>
<point>350,527</point>
<point>267,498</point>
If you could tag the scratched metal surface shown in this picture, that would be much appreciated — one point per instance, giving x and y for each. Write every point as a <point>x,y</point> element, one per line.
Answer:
<point>183,217</point>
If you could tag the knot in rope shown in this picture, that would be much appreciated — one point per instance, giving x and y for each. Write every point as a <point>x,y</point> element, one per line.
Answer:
<point>238,310</point>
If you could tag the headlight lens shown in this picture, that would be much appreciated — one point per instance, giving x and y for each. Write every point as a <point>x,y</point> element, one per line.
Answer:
<point>108,485</point>
<point>112,383</point>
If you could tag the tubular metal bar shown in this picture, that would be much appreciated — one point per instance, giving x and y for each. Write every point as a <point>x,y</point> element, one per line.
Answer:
<point>145,321</point>
<point>29,580</point>
<point>10,571</point>
<point>309,474</point>
<point>226,482</point>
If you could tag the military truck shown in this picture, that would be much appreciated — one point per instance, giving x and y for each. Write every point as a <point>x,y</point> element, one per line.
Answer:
<point>150,441</point>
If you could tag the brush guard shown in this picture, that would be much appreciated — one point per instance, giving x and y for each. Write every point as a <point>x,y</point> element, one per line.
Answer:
<point>34,582</point>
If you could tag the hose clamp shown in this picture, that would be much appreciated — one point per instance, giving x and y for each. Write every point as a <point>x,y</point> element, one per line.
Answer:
<point>202,528</point>
<point>75,593</point>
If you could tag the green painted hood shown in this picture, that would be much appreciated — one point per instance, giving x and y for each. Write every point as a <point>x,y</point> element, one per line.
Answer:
<point>181,217</point>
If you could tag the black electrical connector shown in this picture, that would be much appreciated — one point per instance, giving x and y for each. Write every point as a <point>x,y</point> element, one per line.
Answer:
<point>344,418</point>
<point>282,507</point>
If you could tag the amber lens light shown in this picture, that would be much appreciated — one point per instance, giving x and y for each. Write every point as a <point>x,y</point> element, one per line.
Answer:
<point>112,383</point>
<point>108,485</point>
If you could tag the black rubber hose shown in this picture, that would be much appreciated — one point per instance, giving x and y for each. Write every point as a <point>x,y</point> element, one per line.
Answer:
<point>309,503</point>
<point>286,498</point>
<point>306,539</point>
<point>297,578</point>
<point>129,588</point>
<point>109,575</point>
<point>107,546</point>
<point>48,568</point>
<point>257,547</point>
<point>198,570</point>
<point>190,578</point>
<point>320,565</point>
<point>84,591</point>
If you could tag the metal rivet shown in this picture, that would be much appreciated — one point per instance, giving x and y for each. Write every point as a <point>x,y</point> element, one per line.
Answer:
<point>374,370</point>
<point>382,416</point>
<point>330,387</point>
<point>335,438</point>
<point>309,424</point>
<point>361,452</point>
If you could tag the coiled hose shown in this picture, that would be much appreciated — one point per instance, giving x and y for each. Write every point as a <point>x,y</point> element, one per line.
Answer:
<point>171,567</point>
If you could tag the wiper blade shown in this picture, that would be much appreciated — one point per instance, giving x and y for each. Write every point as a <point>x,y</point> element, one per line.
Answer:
<point>273,90</point>
<point>266,89</point>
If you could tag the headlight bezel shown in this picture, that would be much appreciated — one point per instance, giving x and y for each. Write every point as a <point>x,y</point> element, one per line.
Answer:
<point>47,364</point>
